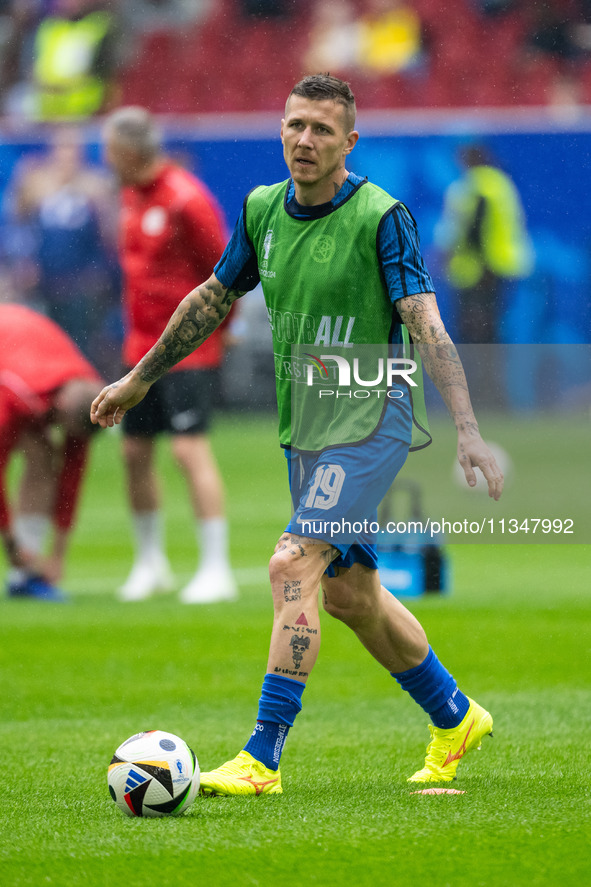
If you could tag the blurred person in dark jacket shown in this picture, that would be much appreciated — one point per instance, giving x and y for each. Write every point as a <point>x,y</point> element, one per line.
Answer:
<point>69,208</point>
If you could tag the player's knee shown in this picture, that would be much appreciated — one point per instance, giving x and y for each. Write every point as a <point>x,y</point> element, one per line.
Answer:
<point>295,572</point>
<point>137,451</point>
<point>282,566</point>
<point>182,450</point>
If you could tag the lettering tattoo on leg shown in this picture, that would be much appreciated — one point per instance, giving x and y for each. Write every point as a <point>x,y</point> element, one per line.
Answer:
<point>291,672</point>
<point>292,590</point>
<point>301,626</point>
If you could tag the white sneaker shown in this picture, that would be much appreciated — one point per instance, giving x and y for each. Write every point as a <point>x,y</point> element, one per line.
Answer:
<point>146,578</point>
<point>209,585</point>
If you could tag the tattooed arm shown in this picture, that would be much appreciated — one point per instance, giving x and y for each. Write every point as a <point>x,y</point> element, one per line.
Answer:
<point>196,317</point>
<point>420,315</point>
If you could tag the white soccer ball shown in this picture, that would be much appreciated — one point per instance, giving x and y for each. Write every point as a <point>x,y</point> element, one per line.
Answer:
<point>153,774</point>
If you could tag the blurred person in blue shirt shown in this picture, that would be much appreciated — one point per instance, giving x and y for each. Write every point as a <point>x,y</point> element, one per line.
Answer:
<point>69,209</point>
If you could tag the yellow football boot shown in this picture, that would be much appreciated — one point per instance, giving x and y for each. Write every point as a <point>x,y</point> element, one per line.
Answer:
<point>448,747</point>
<point>242,776</point>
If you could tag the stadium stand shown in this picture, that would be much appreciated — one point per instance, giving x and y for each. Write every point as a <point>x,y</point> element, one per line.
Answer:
<point>233,62</point>
<point>199,56</point>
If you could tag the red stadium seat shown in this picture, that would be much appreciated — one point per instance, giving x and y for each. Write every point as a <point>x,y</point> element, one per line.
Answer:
<point>230,62</point>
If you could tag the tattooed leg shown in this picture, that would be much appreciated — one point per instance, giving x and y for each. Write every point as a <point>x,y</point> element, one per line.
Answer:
<point>295,571</point>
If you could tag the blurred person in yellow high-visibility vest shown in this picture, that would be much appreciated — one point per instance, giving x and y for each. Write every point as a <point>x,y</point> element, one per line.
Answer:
<point>74,61</point>
<point>484,237</point>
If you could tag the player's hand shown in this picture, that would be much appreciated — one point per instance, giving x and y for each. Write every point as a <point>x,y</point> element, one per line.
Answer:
<point>109,407</point>
<point>474,453</point>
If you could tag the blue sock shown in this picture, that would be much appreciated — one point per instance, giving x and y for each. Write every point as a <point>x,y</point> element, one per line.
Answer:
<point>279,704</point>
<point>432,686</point>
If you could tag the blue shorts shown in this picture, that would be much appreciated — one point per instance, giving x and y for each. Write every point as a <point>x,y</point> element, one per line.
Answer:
<point>336,493</point>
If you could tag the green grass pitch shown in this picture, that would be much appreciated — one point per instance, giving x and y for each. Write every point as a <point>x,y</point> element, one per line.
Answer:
<point>79,678</point>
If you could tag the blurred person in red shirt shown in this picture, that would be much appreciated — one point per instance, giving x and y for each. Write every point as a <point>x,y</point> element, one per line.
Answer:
<point>171,234</point>
<point>45,381</point>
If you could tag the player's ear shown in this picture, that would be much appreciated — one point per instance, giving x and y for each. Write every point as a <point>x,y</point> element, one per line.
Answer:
<point>351,141</point>
<point>281,131</point>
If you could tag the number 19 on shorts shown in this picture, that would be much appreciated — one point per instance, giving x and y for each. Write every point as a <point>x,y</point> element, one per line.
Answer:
<point>326,487</point>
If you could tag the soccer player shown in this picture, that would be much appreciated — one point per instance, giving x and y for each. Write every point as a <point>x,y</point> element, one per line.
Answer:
<point>331,250</point>
<point>171,235</point>
<point>45,381</point>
